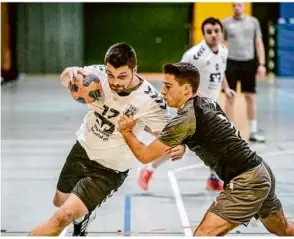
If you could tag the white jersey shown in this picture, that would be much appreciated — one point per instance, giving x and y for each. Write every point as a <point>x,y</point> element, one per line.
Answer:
<point>210,65</point>
<point>99,133</point>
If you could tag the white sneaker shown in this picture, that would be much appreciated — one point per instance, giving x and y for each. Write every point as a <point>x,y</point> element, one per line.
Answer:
<point>257,137</point>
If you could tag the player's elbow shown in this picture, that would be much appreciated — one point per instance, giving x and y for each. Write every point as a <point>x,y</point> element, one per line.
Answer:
<point>144,158</point>
<point>143,162</point>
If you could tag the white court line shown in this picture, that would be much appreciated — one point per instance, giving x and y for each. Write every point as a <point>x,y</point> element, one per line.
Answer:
<point>198,165</point>
<point>180,204</point>
<point>64,232</point>
<point>36,142</point>
<point>276,153</point>
<point>285,93</point>
<point>267,154</point>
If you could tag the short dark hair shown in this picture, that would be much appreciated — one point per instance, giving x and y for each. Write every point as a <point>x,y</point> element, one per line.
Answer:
<point>184,73</point>
<point>121,54</point>
<point>212,21</point>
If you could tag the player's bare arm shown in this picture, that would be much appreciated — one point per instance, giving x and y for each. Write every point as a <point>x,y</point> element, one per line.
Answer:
<point>176,152</point>
<point>145,154</point>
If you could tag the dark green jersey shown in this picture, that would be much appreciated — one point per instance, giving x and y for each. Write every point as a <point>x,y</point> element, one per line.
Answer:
<point>205,129</point>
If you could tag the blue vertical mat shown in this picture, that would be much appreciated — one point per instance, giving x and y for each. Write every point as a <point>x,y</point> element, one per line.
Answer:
<point>285,39</point>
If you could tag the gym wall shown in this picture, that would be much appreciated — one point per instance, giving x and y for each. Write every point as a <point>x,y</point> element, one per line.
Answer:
<point>159,32</point>
<point>49,36</point>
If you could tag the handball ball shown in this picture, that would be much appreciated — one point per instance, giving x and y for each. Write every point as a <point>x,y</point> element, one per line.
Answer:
<point>86,88</point>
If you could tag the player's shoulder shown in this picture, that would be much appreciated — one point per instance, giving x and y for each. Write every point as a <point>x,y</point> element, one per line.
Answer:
<point>201,46</point>
<point>198,51</point>
<point>151,97</point>
<point>206,104</point>
<point>198,46</point>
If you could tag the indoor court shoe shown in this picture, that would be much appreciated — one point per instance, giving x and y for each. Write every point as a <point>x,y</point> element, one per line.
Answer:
<point>80,229</point>
<point>144,178</point>
<point>257,137</point>
<point>214,184</point>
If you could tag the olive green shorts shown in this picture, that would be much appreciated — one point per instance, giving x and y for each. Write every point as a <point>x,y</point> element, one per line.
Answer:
<point>251,194</point>
<point>90,181</point>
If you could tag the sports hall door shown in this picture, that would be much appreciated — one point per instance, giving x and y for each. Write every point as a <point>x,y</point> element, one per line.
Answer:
<point>159,32</point>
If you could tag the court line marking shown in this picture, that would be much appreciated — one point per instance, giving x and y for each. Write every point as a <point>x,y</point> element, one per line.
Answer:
<point>180,204</point>
<point>37,142</point>
<point>285,93</point>
<point>276,153</point>
<point>127,216</point>
<point>193,166</point>
<point>266,154</point>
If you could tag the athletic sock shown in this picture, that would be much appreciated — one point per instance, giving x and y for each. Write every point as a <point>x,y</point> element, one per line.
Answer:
<point>253,126</point>
<point>150,167</point>
<point>80,219</point>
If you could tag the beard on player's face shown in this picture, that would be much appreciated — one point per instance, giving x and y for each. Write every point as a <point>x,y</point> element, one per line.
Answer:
<point>122,86</point>
<point>119,79</point>
<point>118,88</point>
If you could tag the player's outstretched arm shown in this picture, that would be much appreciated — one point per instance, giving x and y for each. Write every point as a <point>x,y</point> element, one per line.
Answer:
<point>145,154</point>
<point>175,153</point>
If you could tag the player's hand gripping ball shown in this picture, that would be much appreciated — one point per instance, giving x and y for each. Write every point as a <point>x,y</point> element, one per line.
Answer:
<point>86,88</point>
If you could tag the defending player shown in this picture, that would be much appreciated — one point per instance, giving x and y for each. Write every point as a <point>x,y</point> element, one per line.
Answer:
<point>210,57</point>
<point>203,126</point>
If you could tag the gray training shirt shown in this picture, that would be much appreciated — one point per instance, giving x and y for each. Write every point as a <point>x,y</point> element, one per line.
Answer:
<point>241,35</point>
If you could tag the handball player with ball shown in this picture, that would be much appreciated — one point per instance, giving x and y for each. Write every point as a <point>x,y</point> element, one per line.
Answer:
<point>85,88</point>
<point>99,161</point>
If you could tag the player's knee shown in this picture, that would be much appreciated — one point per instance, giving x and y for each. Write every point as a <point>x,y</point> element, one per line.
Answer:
<point>62,218</point>
<point>289,230</point>
<point>230,100</point>
<point>284,231</point>
<point>201,232</point>
<point>249,97</point>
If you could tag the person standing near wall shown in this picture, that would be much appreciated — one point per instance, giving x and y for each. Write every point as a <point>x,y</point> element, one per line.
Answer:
<point>9,70</point>
<point>243,36</point>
